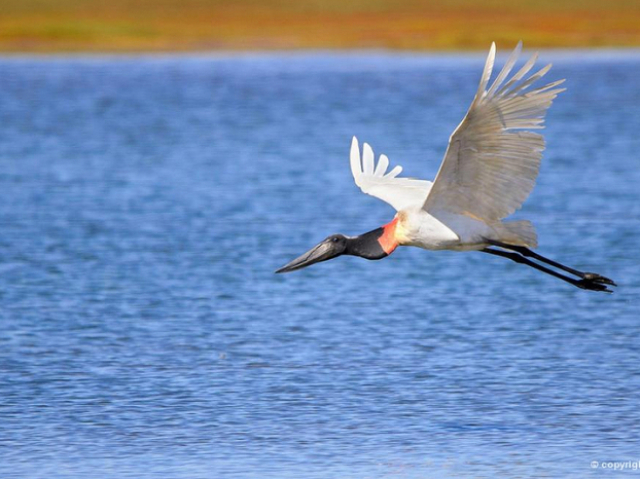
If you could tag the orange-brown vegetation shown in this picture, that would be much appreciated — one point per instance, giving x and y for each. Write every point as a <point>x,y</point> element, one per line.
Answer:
<point>184,25</point>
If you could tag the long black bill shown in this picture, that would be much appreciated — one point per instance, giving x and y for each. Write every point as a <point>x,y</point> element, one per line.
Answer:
<point>322,252</point>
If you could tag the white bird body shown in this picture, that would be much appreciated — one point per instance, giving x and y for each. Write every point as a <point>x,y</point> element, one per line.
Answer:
<point>417,227</point>
<point>488,171</point>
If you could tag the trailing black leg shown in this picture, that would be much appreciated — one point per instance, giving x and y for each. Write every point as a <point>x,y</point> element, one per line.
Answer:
<point>594,277</point>
<point>581,283</point>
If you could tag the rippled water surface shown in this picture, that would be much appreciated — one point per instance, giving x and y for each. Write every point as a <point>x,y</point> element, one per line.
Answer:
<point>145,203</point>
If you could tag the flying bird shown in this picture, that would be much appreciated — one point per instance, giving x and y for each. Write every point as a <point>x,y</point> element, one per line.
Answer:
<point>488,171</point>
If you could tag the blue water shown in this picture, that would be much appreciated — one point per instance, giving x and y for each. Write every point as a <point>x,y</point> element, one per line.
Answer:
<point>146,202</point>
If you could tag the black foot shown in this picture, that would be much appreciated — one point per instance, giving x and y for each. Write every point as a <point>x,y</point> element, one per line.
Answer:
<point>596,278</point>
<point>594,285</point>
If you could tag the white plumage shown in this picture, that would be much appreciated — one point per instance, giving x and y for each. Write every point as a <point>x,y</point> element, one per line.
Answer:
<point>488,171</point>
<point>400,193</point>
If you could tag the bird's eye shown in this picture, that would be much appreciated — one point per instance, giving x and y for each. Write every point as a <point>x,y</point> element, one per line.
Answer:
<point>335,240</point>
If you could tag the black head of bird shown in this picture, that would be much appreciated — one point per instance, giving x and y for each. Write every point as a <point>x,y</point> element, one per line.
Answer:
<point>370,245</point>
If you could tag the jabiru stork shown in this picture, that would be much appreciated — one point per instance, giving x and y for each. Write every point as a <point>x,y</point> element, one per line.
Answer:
<point>488,171</point>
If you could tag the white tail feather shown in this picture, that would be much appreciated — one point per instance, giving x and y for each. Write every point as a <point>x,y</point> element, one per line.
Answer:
<point>517,233</point>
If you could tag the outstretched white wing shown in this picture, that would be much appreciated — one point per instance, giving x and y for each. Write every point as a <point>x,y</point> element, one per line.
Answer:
<point>492,161</point>
<point>375,181</point>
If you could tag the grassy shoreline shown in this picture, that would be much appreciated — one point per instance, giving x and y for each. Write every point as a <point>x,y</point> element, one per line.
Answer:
<point>139,26</point>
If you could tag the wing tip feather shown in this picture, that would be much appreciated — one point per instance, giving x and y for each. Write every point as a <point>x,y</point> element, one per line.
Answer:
<point>486,73</point>
<point>355,161</point>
